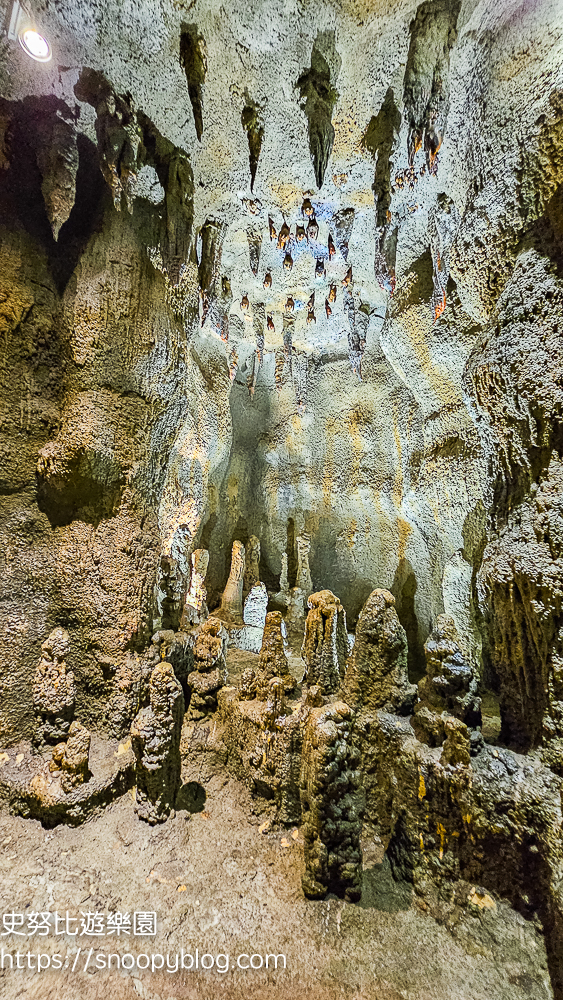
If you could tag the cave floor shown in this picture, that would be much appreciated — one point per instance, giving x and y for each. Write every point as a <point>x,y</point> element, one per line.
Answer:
<point>223,884</point>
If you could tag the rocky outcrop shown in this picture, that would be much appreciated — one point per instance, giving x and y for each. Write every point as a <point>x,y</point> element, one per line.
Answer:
<point>449,687</point>
<point>71,758</point>
<point>273,659</point>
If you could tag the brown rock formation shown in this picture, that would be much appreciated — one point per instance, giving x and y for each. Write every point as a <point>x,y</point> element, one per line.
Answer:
<point>325,645</point>
<point>210,670</point>
<point>376,675</point>
<point>449,687</point>
<point>71,758</point>
<point>332,805</point>
<point>273,660</point>
<point>53,690</point>
<point>155,737</point>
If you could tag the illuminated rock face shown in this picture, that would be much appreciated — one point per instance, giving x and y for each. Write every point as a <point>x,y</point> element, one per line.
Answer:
<point>320,308</point>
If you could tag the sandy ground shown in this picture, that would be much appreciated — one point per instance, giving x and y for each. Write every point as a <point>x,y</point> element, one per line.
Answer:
<point>220,884</point>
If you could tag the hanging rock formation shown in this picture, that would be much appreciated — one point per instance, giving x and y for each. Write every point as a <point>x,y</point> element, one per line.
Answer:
<point>253,125</point>
<point>193,59</point>
<point>57,159</point>
<point>426,85</point>
<point>319,97</point>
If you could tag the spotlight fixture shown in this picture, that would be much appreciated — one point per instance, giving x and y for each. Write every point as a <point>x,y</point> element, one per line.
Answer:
<point>23,28</point>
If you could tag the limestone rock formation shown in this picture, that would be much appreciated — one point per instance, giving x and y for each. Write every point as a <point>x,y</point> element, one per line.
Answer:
<point>325,645</point>
<point>426,86</point>
<point>210,669</point>
<point>250,635</point>
<point>57,160</point>
<point>376,675</point>
<point>195,607</point>
<point>251,565</point>
<point>54,691</point>
<point>125,698</point>
<point>273,659</point>
<point>231,602</point>
<point>155,737</point>
<point>303,580</point>
<point>296,608</point>
<point>319,97</point>
<point>193,58</point>
<point>450,685</point>
<point>71,758</point>
<point>332,804</point>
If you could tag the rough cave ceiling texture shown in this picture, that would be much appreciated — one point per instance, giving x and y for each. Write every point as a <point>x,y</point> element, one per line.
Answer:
<point>329,302</point>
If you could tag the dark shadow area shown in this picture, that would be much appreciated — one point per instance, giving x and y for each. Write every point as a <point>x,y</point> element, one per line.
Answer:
<point>32,126</point>
<point>404,589</point>
<point>191,797</point>
<point>381,892</point>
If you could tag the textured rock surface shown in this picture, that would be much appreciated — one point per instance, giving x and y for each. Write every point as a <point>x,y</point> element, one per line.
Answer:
<point>155,738</point>
<point>53,690</point>
<point>210,669</point>
<point>325,644</point>
<point>71,758</point>
<point>376,673</point>
<point>332,804</point>
<point>273,659</point>
<point>294,273</point>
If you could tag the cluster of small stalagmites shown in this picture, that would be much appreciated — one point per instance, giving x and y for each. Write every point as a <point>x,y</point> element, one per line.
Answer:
<point>449,688</point>
<point>70,760</point>
<point>376,674</point>
<point>210,668</point>
<point>53,690</point>
<point>332,804</point>
<point>325,644</point>
<point>273,660</point>
<point>155,738</point>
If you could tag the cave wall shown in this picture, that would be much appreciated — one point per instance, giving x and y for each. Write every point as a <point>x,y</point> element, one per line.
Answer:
<point>147,410</point>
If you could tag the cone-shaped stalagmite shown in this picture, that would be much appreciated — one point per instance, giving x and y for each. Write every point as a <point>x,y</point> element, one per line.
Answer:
<point>376,675</point>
